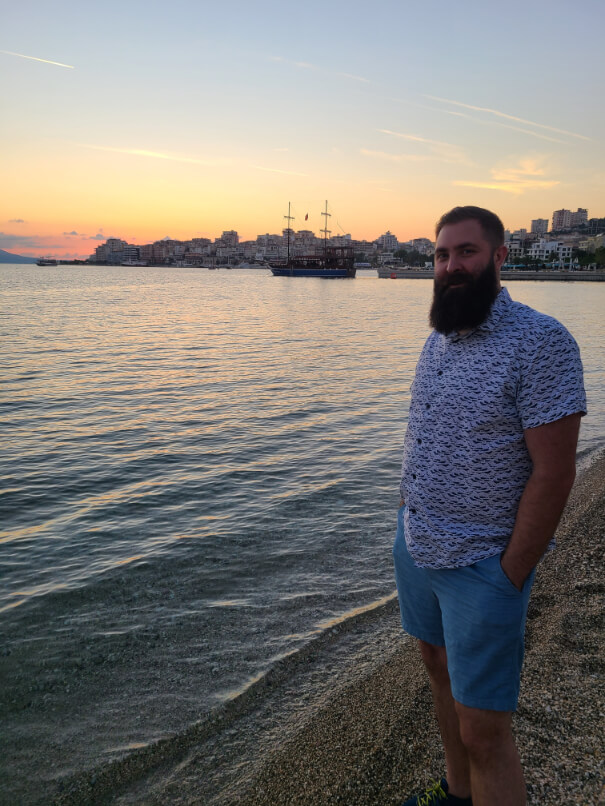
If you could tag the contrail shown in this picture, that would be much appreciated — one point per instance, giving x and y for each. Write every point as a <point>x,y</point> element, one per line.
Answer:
<point>36,59</point>
<point>507,117</point>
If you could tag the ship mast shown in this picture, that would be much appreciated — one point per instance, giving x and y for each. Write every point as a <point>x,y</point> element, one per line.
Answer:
<point>326,231</point>
<point>289,218</point>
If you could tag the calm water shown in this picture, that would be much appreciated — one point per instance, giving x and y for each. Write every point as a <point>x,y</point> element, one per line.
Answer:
<point>203,465</point>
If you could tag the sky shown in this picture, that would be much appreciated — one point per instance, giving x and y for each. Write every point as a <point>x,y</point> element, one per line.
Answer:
<point>146,120</point>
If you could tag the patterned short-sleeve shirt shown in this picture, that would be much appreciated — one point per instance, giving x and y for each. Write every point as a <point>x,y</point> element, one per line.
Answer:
<point>465,461</point>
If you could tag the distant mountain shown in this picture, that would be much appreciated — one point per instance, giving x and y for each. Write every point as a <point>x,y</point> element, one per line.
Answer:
<point>8,257</point>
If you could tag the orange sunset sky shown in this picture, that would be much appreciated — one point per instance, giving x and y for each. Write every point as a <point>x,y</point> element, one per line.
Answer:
<point>146,120</point>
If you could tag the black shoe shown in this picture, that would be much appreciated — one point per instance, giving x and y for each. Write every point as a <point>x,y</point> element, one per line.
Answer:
<point>437,795</point>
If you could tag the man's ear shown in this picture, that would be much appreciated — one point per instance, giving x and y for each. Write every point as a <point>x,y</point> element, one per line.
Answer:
<point>500,256</point>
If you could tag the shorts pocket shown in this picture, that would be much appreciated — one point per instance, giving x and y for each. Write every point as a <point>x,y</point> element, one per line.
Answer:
<point>505,579</point>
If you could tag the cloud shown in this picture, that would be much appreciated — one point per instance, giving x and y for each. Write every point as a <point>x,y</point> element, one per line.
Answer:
<point>504,115</point>
<point>528,166</point>
<point>98,237</point>
<point>317,68</point>
<point>73,232</point>
<point>473,119</point>
<point>383,155</point>
<point>529,173</point>
<point>36,59</point>
<point>443,152</point>
<point>16,221</point>
<point>138,152</point>
<point>517,188</point>
<point>277,171</point>
<point>306,65</point>
<point>11,241</point>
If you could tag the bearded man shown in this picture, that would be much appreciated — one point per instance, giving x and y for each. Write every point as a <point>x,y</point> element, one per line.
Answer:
<point>488,464</point>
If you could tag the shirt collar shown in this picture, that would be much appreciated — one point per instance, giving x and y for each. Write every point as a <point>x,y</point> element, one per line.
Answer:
<point>500,304</point>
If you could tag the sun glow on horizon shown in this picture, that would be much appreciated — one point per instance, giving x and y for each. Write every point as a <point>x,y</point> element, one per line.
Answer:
<point>166,129</point>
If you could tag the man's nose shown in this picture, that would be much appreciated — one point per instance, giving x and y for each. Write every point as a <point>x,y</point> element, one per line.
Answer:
<point>453,264</point>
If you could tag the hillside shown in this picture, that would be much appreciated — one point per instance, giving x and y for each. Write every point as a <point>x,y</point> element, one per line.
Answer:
<point>8,257</point>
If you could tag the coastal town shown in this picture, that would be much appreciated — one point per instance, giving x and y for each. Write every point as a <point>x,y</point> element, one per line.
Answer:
<point>568,240</point>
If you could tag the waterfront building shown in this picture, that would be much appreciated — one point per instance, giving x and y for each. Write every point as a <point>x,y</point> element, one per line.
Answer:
<point>515,250</point>
<point>229,238</point>
<point>423,245</point>
<point>549,250</point>
<point>388,242</point>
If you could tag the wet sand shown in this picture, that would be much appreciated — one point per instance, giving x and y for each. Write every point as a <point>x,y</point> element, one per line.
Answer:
<point>349,720</point>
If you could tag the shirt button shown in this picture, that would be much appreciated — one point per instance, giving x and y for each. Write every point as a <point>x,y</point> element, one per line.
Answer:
<point>413,475</point>
<point>440,372</point>
<point>428,405</point>
<point>413,511</point>
<point>419,441</point>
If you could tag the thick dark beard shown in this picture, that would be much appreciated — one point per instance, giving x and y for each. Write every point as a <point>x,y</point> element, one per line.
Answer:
<point>468,305</point>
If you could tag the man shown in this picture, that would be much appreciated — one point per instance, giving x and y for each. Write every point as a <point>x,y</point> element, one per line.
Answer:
<point>488,463</point>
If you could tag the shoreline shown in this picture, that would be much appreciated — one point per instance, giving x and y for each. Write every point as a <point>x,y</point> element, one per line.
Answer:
<point>413,274</point>
<point>362,733</point>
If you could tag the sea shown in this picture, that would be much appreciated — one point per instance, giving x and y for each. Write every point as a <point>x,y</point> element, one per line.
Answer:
<point>199,479</point>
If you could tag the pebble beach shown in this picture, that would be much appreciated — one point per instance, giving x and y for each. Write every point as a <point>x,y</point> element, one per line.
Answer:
<point>368,737</point>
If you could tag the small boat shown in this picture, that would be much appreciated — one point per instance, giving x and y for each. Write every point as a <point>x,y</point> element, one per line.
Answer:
<point>47,261</point>
<point>332,262</point>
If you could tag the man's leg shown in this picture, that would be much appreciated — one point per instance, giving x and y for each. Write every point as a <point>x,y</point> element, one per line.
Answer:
<point>495,767</point>
<point>456,757</point>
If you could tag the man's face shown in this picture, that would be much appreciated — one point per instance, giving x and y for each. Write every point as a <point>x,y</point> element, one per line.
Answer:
<point>467,277</point>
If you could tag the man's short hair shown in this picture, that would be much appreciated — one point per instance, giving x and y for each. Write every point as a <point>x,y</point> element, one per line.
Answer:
<point>492,227</point>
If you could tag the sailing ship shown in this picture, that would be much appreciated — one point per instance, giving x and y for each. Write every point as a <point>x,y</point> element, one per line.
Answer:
<point>331,262</point>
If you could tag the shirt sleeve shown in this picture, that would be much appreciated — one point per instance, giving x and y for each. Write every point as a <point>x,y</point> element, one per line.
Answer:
<point>551,383</point>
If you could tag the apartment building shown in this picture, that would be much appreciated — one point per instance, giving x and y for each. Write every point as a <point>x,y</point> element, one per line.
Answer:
<point>539,226</point>
<point>388,242</point>
<point>565,219</point>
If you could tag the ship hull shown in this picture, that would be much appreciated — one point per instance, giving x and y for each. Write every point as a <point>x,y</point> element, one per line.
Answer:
<point>308,271</point>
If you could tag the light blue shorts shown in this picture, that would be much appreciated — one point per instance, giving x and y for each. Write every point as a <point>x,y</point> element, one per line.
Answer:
<point>477,614</point>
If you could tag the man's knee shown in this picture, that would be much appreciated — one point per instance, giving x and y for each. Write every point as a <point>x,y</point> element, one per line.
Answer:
<point>483,732</point>
<point>435,660</point>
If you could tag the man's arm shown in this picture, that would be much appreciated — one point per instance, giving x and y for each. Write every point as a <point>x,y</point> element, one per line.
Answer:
<point>552,449</point>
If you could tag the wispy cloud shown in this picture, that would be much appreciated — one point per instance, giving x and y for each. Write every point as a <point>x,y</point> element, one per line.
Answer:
<point>527,166</point>
<point>318,68</point>
<point>481,122</point>
<point>529,173</point>
<point>277,171</point>
<point>139,152</point>
<point>16,221</point>
<point>517,188</point>
<point>506,116</point>
<point>438,150</point>
<point>36,59</point>
<point>384,155</point>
